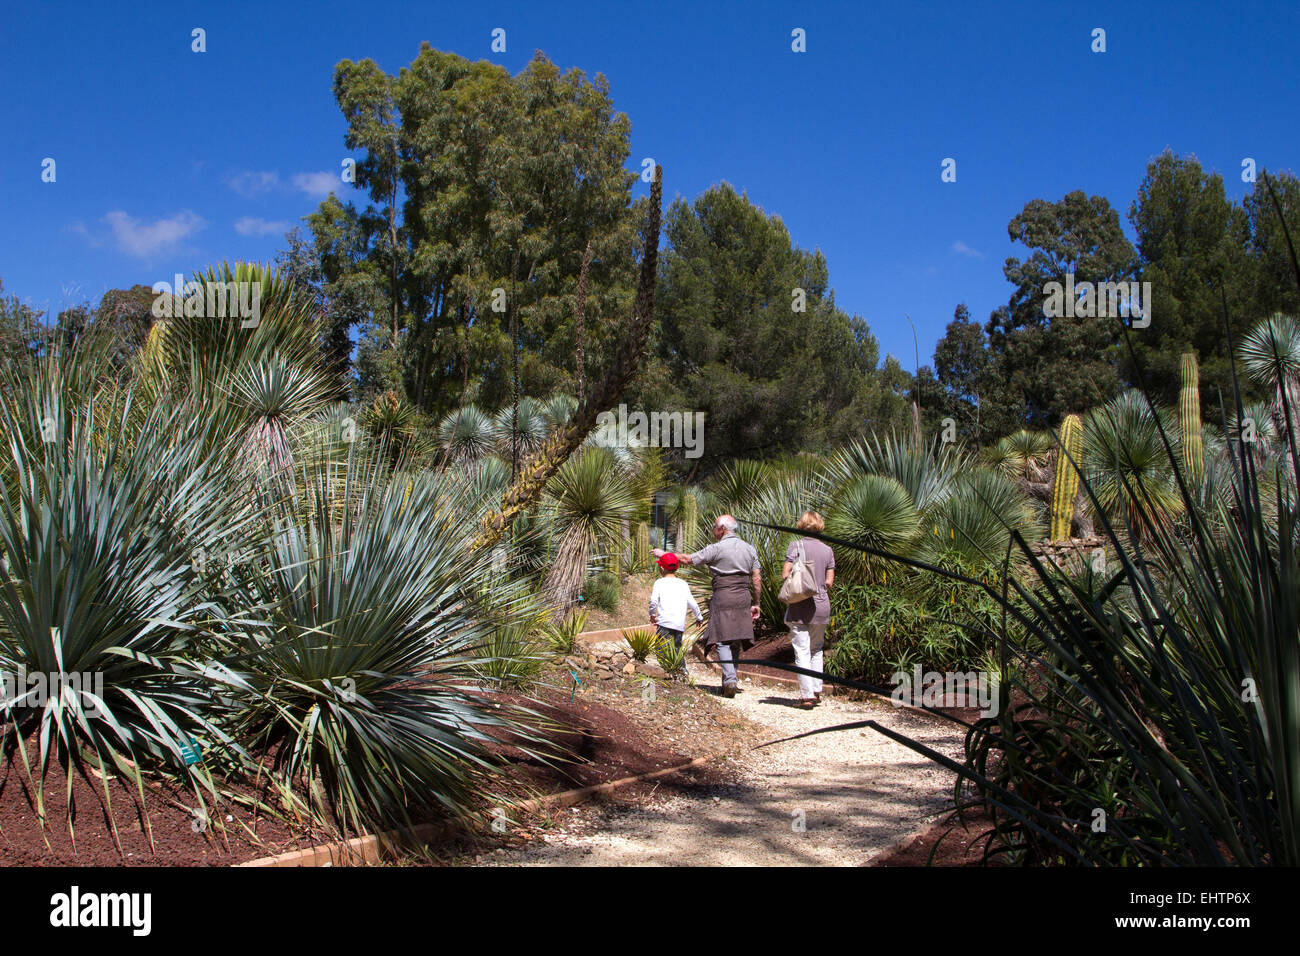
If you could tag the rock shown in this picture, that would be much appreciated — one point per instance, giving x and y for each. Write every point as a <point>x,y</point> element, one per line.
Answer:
<point>653,670</point>
<point>591,662</point>
<point>606,675</point>
<point>629,668</point>
<point>618,660</point>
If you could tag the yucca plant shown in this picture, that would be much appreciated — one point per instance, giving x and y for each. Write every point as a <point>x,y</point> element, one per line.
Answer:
<point>1126,465</point>
<point>672,657</point>
<point>562,636</point>
<point>110,532</point>
<point>467,434</point>
<point>641,641</point>
<point>738,485</point>
<point>1153,712</point>
<point>977,519</point>
<point>873,510</point>
<point>588,501</point>
<point>395,423</point>
<point>375,631</point>
<point>275,396</point>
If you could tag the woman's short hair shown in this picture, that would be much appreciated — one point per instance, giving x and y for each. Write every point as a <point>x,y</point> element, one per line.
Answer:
<point>811,521</point>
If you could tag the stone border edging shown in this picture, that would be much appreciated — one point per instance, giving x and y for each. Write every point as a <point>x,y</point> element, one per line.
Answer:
<point>370,848</point>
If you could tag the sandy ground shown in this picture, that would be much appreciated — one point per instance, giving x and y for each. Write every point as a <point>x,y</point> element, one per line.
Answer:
<point>838,798</point>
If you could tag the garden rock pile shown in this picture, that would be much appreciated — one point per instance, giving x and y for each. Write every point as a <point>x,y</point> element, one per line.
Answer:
<point>1070,550</point>
<point>610,659</point>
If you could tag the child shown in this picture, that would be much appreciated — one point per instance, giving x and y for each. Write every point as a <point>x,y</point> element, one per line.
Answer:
<point>669,600</point>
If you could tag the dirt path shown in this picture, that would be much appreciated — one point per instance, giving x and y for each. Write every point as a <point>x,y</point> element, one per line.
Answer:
<point>838,798</point>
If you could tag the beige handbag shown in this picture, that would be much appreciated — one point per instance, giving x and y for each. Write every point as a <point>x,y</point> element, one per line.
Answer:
<point>799,586</point>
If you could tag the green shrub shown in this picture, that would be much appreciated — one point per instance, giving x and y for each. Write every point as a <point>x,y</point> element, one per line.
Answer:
<point>671,657</point>
<point>641,641</point>
<point>562,637</point>
<point>909,618</point>
<point>604,591</point>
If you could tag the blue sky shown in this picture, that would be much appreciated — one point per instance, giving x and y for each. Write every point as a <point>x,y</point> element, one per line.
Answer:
<point>168,160</point>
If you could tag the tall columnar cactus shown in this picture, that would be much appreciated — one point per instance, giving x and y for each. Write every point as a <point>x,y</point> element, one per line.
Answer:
<point>690,519</point>
<point>615,560</point>
<point>1065,486</point>
<point>641,548</point>
<point>1189,417</point>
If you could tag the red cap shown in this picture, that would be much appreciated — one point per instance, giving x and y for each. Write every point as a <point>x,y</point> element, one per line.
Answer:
<point>668,561</point>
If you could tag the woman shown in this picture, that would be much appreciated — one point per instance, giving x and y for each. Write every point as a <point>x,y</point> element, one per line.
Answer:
<point>807,620</point>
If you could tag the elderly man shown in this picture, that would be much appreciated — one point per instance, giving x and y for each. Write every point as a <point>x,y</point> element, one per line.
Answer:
<point>732,609</point>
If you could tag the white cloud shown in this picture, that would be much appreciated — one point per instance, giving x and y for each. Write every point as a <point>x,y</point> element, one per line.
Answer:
<point>961,248</point>
<point>252,226</point>
<point>316,184</point>
<point>252,183</point>
<point>146,238</point>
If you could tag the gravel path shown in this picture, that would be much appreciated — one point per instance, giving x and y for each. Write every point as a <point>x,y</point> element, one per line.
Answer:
<point>837,798</point>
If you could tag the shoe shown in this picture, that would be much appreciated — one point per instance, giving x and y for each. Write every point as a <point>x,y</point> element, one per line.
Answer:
<point>817,697</point>
<point>807,703</point>
<point>728,690</point>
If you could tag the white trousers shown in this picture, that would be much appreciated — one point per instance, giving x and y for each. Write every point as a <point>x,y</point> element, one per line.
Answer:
<point>813,662</point>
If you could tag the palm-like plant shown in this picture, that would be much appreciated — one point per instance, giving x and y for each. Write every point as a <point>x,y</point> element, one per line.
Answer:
<point>588,501</point>
<point>372,633</point>
<point>738,485</point>
<point>1023,456</point>
<point>928,473</point>
<point>467,434</point>
<point>1126,464</point>
<point>1270,354</point>
<point>110,535</point>
<point>275,395</point>
<point>394,423</point>
<point>876,511</point>
<point>976,521</point>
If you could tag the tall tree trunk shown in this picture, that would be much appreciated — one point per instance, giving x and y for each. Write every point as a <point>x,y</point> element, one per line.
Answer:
<point>580,322</point>
<point>553,453</point>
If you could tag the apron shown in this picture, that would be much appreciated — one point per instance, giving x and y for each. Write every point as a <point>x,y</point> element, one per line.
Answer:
<point>729,619</point>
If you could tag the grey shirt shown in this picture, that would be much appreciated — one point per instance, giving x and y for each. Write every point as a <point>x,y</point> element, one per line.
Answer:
<point>728,555</point>
<point>820,558</point>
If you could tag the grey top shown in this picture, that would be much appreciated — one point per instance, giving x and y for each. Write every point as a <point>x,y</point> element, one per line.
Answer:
<point>728,555</point>
<point>820,558</point>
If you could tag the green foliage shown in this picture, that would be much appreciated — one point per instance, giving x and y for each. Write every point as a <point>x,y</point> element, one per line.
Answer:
<point>479,180</point>
<point>375,625</point>
<point>770,380</point>
<point>906,618</point>
<point>109,535</point>
<point>1127,467</point>
<point>641,641</point>
<point>671,657</point>
<point>587,502</point>
<point>1043,368</point>
<point>641,548</point>
<point>562,637</point>
<point>604,591</point>
<point>1193,241</point>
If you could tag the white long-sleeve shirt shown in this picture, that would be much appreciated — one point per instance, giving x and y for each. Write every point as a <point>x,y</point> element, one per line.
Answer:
<point>669,599</point>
